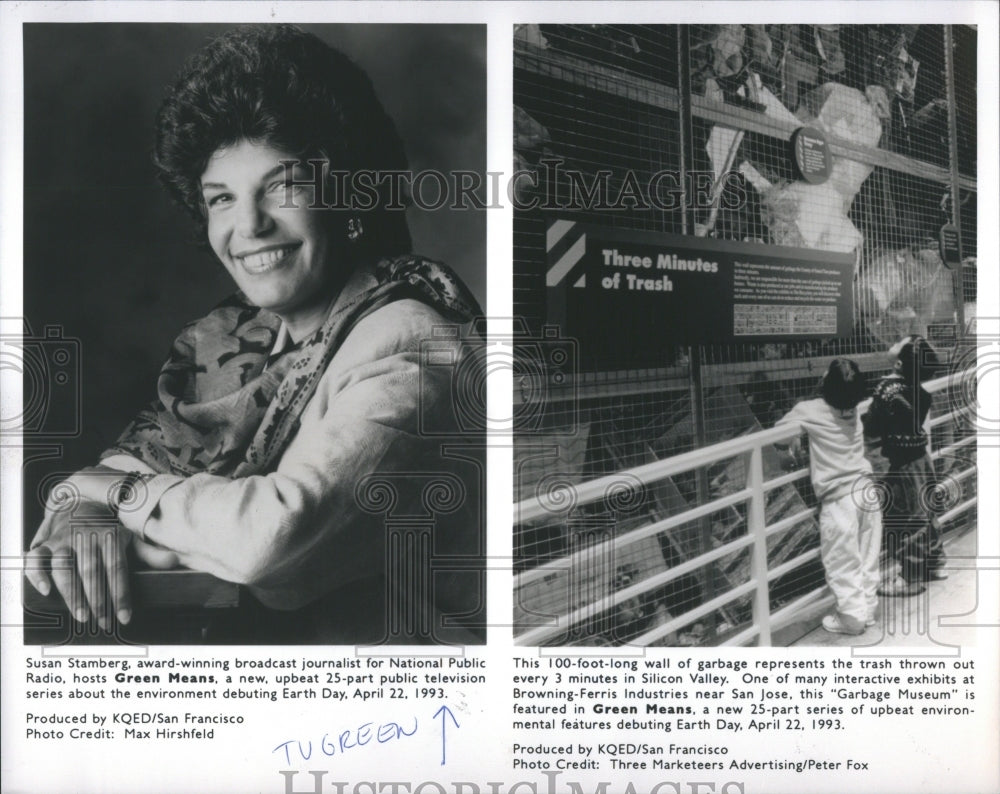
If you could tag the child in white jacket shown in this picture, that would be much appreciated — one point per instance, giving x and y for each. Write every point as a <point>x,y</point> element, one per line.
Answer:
<point>850,529</point>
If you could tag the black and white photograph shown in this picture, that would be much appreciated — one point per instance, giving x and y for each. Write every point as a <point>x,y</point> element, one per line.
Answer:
<point>292,467</point>
<point>750,254</point>
<point>516,397</point>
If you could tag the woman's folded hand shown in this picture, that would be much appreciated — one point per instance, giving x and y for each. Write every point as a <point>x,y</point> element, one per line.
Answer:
<point>80,548</point>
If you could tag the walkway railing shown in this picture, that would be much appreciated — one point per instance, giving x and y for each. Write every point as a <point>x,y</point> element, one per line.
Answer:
<point>554,629</point>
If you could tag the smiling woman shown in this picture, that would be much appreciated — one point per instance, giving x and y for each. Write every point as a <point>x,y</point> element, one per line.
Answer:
<point>278,250</point>
<point>299,420</point>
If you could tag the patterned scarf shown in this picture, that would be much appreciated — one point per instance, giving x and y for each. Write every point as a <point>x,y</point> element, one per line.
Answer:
<point>227,407</point>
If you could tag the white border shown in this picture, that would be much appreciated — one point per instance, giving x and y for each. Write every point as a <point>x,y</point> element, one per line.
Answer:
<point>33,767</point>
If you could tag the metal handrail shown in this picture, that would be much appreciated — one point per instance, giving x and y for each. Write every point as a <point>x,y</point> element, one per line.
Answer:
<point>591,491</point>
<point>565,498</point>
<point>565,563</point>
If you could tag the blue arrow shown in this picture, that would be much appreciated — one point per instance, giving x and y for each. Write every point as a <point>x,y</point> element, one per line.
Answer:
<point>444,712</point>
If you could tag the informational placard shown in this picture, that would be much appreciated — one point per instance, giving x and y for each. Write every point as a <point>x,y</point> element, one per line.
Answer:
<point>951,249</point>
<point>812,155</point>
<point>630,294</point>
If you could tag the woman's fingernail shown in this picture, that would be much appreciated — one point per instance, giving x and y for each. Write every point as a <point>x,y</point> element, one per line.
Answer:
<point>103,623</point>
<point>43,588</point>
<point>124,616</point>
<point>81,615</point>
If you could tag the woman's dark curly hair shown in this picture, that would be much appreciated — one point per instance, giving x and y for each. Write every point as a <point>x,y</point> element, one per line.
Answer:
<point>280,86</point>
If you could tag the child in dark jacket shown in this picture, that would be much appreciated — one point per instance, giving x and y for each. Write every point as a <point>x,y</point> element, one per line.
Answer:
<point>850,529</point>
<point>895,420</point>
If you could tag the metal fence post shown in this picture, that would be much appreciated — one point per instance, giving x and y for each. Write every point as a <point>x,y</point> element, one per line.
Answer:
<point>685,128</point>
<point>758,564</point>
<point>958,274</point>
<point>685,124</point>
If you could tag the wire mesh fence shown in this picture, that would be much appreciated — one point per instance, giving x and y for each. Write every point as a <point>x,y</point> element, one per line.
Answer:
<point>686,130</point>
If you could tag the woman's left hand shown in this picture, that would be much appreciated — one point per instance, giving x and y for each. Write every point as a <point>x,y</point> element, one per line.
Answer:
<point>81,548</point>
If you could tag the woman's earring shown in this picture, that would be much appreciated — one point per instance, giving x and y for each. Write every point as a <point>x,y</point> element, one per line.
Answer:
<point>354,229</point>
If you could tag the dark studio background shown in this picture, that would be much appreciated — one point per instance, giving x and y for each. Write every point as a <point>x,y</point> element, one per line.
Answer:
<point>110,260</point>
